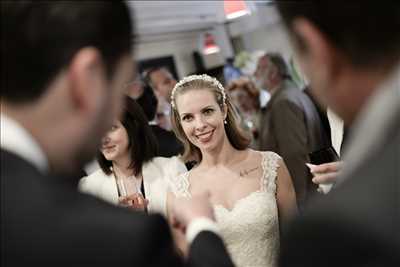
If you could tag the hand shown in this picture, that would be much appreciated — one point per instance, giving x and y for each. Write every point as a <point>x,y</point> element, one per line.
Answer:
<point>325,173</point>
<point>135,201</point>
<point>185,210</point>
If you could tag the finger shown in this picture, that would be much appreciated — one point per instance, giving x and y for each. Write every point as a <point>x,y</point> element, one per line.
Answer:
<point>139,201</point>
<point>134,196</point>
<point>311,167</point>
<point>183,229</point>
<point>175,223</point>
<point>325,178</point>
<point>327,167</point>
<point>123,201</point>
<point>132,200</point>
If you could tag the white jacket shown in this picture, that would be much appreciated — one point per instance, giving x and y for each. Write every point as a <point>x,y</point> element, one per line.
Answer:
<point>156,174</point>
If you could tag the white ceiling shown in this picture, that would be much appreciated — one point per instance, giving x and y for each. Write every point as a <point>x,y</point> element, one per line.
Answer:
<point>163,17</point>
<point>156,21</point>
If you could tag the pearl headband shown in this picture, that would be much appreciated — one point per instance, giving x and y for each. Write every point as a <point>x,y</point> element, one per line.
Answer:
<point>203,77</point>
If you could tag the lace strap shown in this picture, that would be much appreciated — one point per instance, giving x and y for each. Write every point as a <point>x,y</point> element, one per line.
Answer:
<point>179,185</point>
<point>269,166</point>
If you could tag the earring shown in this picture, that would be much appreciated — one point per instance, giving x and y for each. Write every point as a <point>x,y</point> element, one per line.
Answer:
<point>225,122</point>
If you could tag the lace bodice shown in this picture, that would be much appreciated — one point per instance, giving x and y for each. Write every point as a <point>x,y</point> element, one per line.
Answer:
<point>251,229</point>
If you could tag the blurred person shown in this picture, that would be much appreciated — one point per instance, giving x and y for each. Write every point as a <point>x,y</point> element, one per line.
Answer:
<point>245,97</point>
<point>168,144</point>
<point>290,124</point>
<point>251,191</point>
<point>357,223</point>
<point>230,71</point>
<point>163,115</point>
<point>129,163</point>
<point>52,121</point>
<point>135,88</point>
<point>162,82</point>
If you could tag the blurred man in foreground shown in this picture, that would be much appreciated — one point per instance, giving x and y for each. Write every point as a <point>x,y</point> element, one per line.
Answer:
<point>354,67</point>
<point>65,66</point>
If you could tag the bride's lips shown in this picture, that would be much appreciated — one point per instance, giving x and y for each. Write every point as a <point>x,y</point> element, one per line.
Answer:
<point>205,137</point>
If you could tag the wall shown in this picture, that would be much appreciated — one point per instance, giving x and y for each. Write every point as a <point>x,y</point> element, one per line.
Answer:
<point>270,38</point>
<point>180,48</point>
<point>262,30</point>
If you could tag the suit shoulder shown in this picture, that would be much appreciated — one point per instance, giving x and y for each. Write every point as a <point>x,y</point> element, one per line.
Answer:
<point>98,215</point>
<point>287,103</point>
<point>289,94</point>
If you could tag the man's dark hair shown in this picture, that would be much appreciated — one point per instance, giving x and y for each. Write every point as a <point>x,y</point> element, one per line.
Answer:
<point>279,62</point>
<point>230,60</point>
<point>148,101</point>
<point>143,145</point>
<point>39,39</point>
<point>147,74</point>
<point>367,33</point>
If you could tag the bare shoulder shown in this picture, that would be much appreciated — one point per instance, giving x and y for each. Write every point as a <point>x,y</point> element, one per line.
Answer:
<point>252,154</point>
<point>267,154</point>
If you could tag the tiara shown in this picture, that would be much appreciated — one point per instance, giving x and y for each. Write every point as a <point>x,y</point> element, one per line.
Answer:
<point>203,77</point>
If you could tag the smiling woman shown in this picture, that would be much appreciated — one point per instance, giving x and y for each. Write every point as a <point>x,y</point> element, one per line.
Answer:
<point>211,91</point>
<point>247,187</point>
<point>130,173</point>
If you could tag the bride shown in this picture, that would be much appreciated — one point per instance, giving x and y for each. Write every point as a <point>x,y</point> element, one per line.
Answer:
<point>251,191</point>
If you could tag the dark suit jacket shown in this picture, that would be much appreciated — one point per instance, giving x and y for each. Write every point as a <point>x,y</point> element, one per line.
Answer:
<point>45,221</point>
<point>291,126</point>
<point>168,144</point>
<point>357,224</point>
<point>322,112</point>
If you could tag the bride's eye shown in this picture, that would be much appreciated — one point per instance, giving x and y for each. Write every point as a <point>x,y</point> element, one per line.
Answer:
<point>187,118</point>
<point>208,111</point>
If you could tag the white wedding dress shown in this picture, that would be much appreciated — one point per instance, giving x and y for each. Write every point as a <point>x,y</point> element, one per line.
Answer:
<point>251,229</point>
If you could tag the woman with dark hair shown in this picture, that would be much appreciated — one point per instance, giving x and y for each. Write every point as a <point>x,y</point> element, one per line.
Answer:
<point>251,191</point>
<point>130,173</point>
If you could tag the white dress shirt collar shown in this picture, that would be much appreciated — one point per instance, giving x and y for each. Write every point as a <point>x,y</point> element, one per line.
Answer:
<point>16,139</point>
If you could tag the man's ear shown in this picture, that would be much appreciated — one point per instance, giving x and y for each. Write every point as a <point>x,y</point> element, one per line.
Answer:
<point>318,52</point>
<point>87,80</point>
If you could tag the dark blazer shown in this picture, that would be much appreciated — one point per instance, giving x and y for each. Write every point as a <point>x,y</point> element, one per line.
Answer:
<point>322,112</point>
<point>45,221</point>
<point>358,223</point>
<point>168,144</point>
<point>290,126</point>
